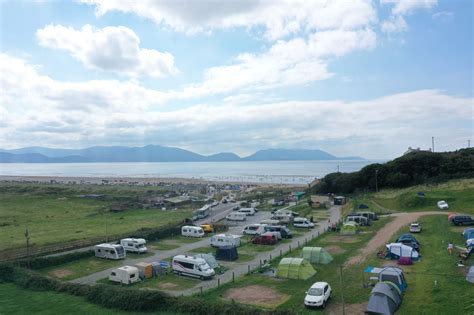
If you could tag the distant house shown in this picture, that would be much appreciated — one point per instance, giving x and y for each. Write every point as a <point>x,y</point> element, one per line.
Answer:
<point>177,201</point>
<point>410,150</point>
<point>340,200</point>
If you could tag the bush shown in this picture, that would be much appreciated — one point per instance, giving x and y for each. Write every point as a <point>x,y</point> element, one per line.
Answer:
<point>42,262</point>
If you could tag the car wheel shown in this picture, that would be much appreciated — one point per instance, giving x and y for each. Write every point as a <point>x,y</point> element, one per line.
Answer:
<point>324,305</point>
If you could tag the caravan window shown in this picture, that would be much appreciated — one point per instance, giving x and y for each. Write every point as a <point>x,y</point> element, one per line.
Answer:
<point>119,250</point>
<point>132,276</point>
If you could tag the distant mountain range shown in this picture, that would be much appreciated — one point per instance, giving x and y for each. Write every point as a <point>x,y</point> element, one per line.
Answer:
<point>154,153</point>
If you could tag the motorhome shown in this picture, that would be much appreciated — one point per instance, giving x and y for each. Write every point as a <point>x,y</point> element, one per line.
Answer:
<point>192,266</point>
<point>247,211</point>
<point>192,231</point>
<point>363,221</point>
<point>254,229</point>
<point>109,251</point>
<point>125,275</point>
<point>303,223</point>
<point>286,212</point>
<point>203,212</point>
<point>283,230</point>
<point>236,216</point>
<point>134,245</point>
<point>368,214</point>
<point>221,240</point>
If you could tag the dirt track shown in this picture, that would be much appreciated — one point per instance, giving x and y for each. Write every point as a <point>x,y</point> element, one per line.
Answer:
<point>384,234</point>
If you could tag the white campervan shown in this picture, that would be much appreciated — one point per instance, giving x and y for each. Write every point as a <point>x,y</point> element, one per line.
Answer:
<point>109,251</point>
<point>254,229</point>
<point>125,275</point>
<point>247,211</point>
<point>192,231</point>
<point>236,216</point>
<point>135,245</point>
<point>270,222</point>
<point>221,240</point>
<point>303,223</point>
<point>192,266</point>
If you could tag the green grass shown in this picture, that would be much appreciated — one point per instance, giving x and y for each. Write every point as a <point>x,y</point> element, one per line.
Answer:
<point>459,194</point>
<point>14,300</point>
<point>55,213</point>
<point>80,268</point>
<point>169,281</point>
<point>160,245</point>
<point>203,250</point>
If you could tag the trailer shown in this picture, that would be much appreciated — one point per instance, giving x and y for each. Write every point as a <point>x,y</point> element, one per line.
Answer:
<point>125,275</point>
<point>109,251</point>
<point>221,240</point>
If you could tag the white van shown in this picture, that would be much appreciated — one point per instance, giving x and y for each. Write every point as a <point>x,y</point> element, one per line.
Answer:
<point>247,211</point>
<point>303,223</point>
<point>254,229</point>
<point>236,216</point>
<point>192,266</point>
<point>192,231</point>
<point>270,222</point>
<point>220,240</point>
<point>109,251</point>
<point>125,275</point>
<point>134,245</point>
<point>283,218</point>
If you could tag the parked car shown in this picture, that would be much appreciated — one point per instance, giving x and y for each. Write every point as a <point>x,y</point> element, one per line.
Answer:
<point>463,220</point>
<point>207,228</point>
<point>247,211</point>
<point>265,239</point>
<point>415,227</point>
<point>236,208</point>
<point>302,223</point>
<point>318,295</point>
<point>442,205</point>
<point>283,230</point>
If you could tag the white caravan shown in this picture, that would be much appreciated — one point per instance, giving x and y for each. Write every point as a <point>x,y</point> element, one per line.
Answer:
<point>254,229</point>
<point>192,266</point>
<point>303,223</point>
<point>270,222</point>
<point>247,211</point>
<point>236,216</point>
<point>109,251</point>
<point>134,245</point>
<point>221,240</point>
<point>192,231</point>
<point>125,275</point>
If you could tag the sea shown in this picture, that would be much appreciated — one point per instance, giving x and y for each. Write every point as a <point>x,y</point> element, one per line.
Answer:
<point>271,172</point>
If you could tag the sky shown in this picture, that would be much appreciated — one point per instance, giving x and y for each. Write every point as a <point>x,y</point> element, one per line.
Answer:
<point>359,77</point>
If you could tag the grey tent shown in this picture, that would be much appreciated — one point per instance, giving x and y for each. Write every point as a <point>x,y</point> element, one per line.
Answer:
<point>470,275</point>
<point>385,299</point>
<point>209,258</point>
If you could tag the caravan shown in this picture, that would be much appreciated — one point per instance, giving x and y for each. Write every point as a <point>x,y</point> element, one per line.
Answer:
<point>236,216</point>
<point>221,240</point>
<point>192,266</point>
<point>247,211</point>
<point>134,245</point>
<point>192,231</point>
<point>254,229</point>
<point>125,275</point>
<point>109,251</point>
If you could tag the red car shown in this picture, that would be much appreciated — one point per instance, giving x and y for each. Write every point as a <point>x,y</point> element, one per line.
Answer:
<point>265,239</point>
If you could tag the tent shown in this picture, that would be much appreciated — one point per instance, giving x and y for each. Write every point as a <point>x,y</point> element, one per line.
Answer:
<point>210,259</point>
<point>295,268</point>
<point>316,255</point>
<point>350,228</point>
<point>385,299</point>
<point>470,275</point>
<point>228,253</point>
<point>397,250</point>
<point>468,233</point>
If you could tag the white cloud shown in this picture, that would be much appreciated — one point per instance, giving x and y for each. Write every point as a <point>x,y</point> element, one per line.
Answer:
<point>115,49</point>
<point>37,110</point>
<point>278,18</point>
<point>443,16</point>
<point>396,22</point>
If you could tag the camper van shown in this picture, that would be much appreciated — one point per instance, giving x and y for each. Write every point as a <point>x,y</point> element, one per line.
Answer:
<point>270,222</point>
<point>109,251</point>
<point>363,221</point>
<point>236,216</point>
<point>192,266</point>
<point>125,275</point>
<point>134,245</point>
<point>254,229</point>
<point>192,231</point>
<point>221,240</point>
<point>247,211</point>
<point>302,223</point>
<point>283,230</point>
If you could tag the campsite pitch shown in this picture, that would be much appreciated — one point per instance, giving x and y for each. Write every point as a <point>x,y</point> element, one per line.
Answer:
<point>256,295</point>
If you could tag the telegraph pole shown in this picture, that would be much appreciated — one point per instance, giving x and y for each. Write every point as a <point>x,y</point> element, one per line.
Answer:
<point>376,182</point>
<point>468,143</point>
<point>338,168</point>
<point>27,237</point>
<point>432,144</point>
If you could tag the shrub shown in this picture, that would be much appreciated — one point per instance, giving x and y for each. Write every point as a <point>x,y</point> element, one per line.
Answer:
<point>42,262</point>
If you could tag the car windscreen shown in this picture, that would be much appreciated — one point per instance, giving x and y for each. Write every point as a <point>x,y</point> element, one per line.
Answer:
<point>204,267</point>
<point>315,291</point>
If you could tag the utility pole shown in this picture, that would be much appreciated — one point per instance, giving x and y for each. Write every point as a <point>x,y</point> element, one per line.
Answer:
<point>342,291</point>
<point>432,144</point>
<point>468,143</point>
<point>338,168</point>
<point>376,181</point>
<point>27,236</point>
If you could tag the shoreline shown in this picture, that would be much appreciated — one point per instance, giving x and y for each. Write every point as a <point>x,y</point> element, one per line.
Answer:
<point>138,181</point>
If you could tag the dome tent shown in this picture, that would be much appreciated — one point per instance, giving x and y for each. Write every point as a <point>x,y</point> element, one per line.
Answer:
<point>295,268</point>
<point>350,228</point>
<point>316,255</point>
<point>384,299</point>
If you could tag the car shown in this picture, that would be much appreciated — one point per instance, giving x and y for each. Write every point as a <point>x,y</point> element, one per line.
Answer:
<point>442,205</point>
<point>318,295</point>
<point>415,227</point>
<point>236,208</point>
<point>463,220</point>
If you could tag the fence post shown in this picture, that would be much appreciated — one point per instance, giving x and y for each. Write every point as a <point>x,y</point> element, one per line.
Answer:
<point>260,263</point>
<point>305,240</point>
<point>290,249</point>
<point>218,282</point>
<point>298,243</point>
<point>318,233</point>
<point>233,276</point>
<point>200,290</point>
<point>280,253</point>
<point>270,257</point>
<point>248,268</point>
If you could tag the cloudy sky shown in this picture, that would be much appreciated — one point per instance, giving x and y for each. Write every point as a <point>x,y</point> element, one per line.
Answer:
<point>366,78</point>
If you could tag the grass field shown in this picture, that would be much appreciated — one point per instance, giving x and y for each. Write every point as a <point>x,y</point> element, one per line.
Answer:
<point>14,300</point>
<point>56,213</point>
<point>459,194</point>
